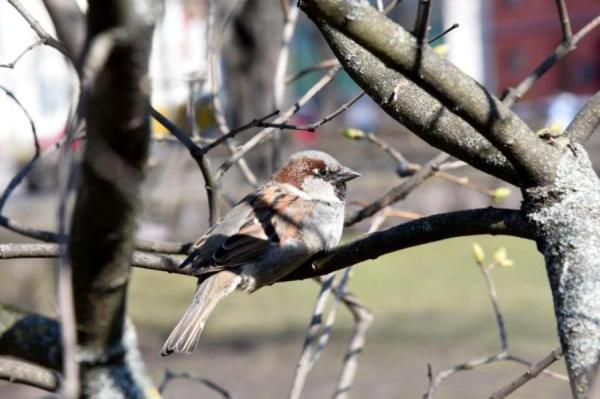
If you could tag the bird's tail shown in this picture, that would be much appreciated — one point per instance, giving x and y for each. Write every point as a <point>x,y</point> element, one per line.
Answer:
<point>184,337</point>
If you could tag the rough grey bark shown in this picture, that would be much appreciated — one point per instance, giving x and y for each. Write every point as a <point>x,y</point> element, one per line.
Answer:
<point>416,109</point>
<point>565,215</point>
<point>103,222</point>
<point>398,50</point>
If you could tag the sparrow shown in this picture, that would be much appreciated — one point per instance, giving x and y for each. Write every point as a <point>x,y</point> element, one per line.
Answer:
<point>267,235</point>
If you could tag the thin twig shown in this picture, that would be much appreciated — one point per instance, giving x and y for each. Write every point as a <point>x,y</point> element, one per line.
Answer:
<point>311,127</point>
<point>170,376</point>
<point>470,365</point>
<point>393,152</point>
<point>198,155</point>
<point>12,64</point>
<point>44,36</point>
<point>422,21</point>
<point>512,95</point>
<point>18,178</point>
<point>215,44</point>
<point>326,64</point>
<point>528,375</point>
<point>399,192</point>
<point>285,9</point>
<point>279,78</point>
<point>503,353</point>
<point>444,33</point>
<point>304,364</point>
<point>565,21</point>
<point>362,321</point>
<point>234,132</point>
<point>285,116</point>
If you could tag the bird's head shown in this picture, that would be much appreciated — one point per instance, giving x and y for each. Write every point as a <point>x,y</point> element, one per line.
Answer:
<point>317,174</point>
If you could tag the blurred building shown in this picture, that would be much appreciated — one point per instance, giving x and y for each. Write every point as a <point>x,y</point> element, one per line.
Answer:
<point>499,42</point>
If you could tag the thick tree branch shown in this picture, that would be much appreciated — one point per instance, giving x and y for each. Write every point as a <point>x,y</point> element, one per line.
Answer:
<point>416,109</point>
<point>532,157</point>
<point>421,231</point>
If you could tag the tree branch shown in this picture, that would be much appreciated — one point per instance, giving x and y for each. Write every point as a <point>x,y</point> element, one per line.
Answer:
<point>421,231</point>
<point>416,109</point>
<point>44,36</point>
<point>533,158</point>
<point>422,22</point>
<point>586,122</point>
<point>495,221</point>
<point>19,372</point>
<point>530,374</point>
<point>399,192</point>
<point>512,95</point>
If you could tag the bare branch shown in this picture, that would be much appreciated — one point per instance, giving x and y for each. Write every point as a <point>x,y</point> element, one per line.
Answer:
<point>528,375</point>
<point>421,231</point>
<point>399,192</point>
<point>512,95</point>
<point>418,110</point>
<point>362,321</point>
<point>565,22</point>
<point>19,372</point>
<point>532,157</point>
<point>170,376</point>
<point>422,21</point>
<point>279,78</point>
<point>586,122</point>
<point>304,364</point>
<point>285,117</point>
<point>44,36</point>
<point>198,155</point>
<point>12,64</point>
<point>326,64</point>
<point>425,230</point>
<point>444,33</point>
<point>215,43</point>
<point>470,365</point>
<point>16,180</point>
<point>311,127</point>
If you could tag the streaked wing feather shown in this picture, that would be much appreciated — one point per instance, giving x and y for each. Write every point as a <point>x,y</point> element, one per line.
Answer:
<point>258,224</point>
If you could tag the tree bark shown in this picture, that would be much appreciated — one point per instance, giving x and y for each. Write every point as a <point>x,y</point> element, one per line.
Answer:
<point>108,197</point>
<point>565,217</point>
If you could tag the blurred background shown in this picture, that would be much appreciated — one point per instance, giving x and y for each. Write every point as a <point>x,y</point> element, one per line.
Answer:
<point>430,303</point>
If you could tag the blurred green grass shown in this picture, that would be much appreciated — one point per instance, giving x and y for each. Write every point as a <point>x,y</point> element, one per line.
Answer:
<point>431,292</point>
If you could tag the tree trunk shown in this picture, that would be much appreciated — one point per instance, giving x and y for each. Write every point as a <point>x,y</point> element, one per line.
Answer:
<point>565,215</point>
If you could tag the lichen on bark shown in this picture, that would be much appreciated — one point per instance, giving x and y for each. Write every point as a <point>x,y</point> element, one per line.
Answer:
<point>565,215</point>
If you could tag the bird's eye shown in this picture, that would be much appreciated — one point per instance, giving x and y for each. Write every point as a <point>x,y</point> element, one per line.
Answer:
<point>322,172</point>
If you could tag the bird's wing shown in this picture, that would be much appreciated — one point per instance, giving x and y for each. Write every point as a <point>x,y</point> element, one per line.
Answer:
<point>260,220</point>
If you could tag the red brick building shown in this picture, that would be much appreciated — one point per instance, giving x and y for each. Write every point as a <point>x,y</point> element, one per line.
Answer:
<point>525,32</point>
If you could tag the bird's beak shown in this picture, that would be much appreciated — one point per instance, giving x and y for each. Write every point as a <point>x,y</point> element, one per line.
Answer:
<point>345,174</point>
